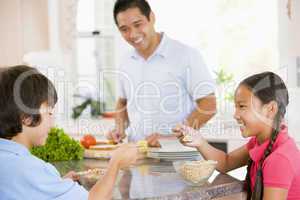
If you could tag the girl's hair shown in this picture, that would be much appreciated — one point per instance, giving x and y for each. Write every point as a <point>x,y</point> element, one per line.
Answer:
<point>22,90</point>
<point>267,87</point>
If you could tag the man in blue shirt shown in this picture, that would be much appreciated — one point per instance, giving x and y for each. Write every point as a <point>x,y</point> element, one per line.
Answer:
<point>162,82</point>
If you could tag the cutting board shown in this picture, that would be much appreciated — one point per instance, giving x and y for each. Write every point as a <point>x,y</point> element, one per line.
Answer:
<point>98,154</point>
<point>102,150</point>
<point>104,147</point>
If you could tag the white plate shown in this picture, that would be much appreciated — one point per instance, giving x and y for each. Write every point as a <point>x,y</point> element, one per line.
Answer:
<point>173,150</point>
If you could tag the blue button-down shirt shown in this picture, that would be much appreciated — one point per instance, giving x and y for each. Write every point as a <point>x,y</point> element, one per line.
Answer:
<point>24,176</point>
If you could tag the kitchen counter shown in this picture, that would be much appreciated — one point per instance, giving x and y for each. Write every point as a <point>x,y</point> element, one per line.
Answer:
<point>155,179</point>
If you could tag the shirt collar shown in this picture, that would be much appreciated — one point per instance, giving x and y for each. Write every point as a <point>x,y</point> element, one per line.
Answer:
<point>161,49</point>
<point>257,152</point>
<point>13,147</point>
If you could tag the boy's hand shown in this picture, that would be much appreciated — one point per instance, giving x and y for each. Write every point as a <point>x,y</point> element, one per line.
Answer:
<point>72,175</point>
<point>125,155</point>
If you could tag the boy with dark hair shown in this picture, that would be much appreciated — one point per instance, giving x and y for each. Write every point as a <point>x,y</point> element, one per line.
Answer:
<point>26,116</point>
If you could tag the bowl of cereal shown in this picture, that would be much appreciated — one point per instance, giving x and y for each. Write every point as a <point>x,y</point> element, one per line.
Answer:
<point>88,178</point>
<point>195,172</point>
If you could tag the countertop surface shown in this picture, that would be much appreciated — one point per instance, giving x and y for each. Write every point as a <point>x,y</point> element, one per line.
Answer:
<point>156,179</point>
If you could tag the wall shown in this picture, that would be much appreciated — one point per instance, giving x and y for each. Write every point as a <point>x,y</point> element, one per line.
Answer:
<point>11,47</point>
<point>35,25</point>
<point>289,39</point>
<point>23,28</point>
<point>289,49</point>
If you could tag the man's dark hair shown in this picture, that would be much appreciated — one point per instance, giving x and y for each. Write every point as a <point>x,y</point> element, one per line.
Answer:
<point>23,90</point>
<point>122,5</point>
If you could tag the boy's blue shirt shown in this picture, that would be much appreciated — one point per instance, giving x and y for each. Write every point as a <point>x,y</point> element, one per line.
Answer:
<point>24,176</point>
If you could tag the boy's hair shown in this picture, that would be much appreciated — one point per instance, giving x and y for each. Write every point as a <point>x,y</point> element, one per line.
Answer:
<point>267,87</point>
<point>122,5</point>
<point>22,90</point>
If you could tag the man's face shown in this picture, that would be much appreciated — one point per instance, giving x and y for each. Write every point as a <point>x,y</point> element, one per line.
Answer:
<point>136,29</point>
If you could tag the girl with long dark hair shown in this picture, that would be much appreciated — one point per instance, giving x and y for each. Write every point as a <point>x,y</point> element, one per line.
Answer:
<point>273,159</point>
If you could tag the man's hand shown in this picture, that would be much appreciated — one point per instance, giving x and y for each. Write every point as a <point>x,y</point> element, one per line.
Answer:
<point>153,140</point>
<point>116,136</point>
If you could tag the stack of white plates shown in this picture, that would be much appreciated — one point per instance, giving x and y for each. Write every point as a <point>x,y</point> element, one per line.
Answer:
<point>173,150</point>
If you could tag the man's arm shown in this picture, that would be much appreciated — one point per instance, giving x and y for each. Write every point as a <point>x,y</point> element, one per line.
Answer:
<point>206,109</point>
<point>121,119</point>
<point>121,122</point>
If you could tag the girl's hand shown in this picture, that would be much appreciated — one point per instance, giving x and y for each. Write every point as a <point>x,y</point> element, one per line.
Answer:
<point>188,136</point>
<point>72,175</point>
